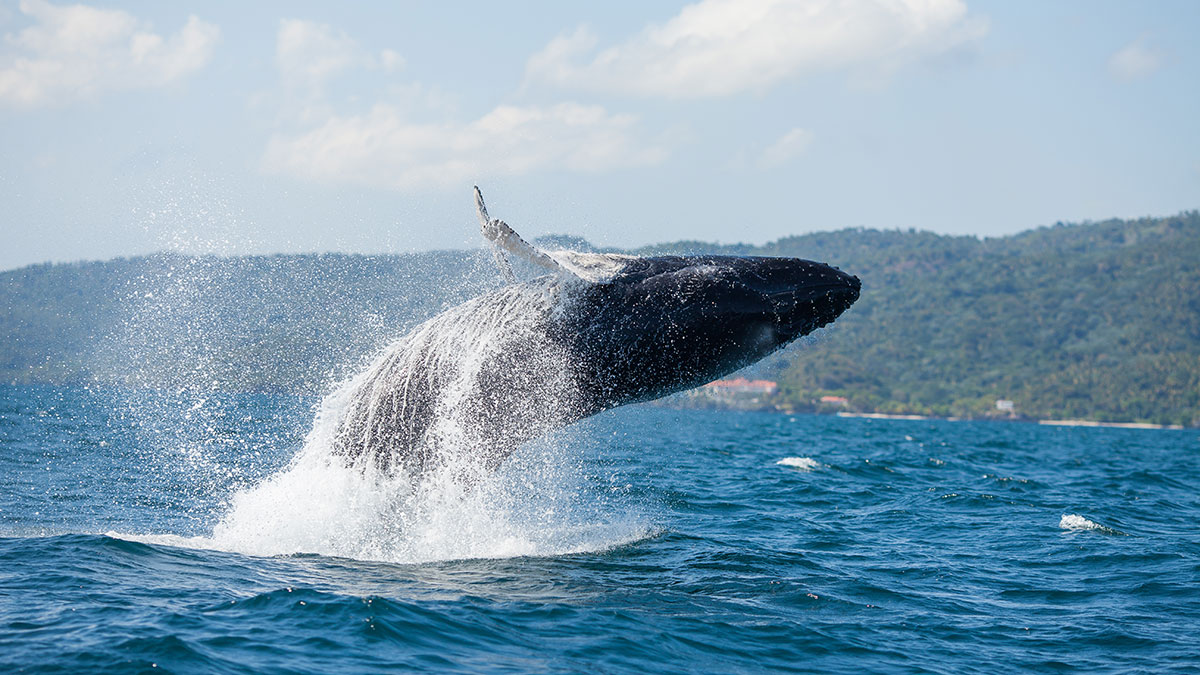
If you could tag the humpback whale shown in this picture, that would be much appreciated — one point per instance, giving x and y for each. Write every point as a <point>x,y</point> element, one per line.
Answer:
<point>593,332</point>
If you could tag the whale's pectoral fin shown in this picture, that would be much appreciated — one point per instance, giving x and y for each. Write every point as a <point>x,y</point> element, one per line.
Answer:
<point>504,238</point>
<point>485,224</point>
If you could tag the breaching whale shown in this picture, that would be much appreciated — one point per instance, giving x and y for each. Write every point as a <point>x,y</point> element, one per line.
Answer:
<point>596,331</point>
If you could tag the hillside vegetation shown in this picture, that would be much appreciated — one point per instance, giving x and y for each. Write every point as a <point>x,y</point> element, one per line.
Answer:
<point>1099,322</point>
<point>1095,321</point>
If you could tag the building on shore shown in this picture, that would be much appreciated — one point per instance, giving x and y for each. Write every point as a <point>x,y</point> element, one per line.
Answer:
<point>738,393</point>
<point>741,386</point>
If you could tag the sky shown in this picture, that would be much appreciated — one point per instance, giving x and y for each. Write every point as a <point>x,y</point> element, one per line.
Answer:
<point>232,127</point>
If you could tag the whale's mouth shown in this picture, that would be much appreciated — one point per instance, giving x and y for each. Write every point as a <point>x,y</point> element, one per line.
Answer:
<point>803,309</point>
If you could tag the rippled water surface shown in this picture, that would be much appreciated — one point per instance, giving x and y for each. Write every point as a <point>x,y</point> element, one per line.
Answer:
<point>142,531</point>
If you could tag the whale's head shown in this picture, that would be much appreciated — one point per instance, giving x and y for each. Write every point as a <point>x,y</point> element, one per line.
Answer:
<point>665,324</point>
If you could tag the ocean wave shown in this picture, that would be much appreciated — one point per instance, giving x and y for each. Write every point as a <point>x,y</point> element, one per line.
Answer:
<point>601,538</point>
<point>1074,521</point>
<point>800,463</point>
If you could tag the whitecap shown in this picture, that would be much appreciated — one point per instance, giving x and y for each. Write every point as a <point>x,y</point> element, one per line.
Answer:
<point>1074,521</point>
<point>799,463</point>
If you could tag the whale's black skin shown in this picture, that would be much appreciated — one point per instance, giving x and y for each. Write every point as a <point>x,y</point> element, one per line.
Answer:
<point>666,324</point>
<point>656,326</point>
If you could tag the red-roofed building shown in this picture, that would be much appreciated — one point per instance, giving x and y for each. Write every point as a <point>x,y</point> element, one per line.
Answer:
<point>740,385</point>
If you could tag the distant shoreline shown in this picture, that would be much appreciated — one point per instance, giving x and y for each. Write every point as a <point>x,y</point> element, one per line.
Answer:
<point>1114,425</point>
<point>886,416</point>
<point>756,405</point>
<point>1055,423</point>
<point>698,399</point>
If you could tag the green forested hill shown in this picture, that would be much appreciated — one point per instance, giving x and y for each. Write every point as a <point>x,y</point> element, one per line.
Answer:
<point>1094,321</point>
<point>1099,321</point>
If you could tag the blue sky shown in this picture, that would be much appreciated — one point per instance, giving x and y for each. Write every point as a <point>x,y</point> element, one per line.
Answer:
<point>231,127</point>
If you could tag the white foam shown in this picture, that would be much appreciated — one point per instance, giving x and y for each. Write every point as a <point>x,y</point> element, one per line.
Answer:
<point>1076,522</point>
<point>538,506</point>
<point>800,463</point>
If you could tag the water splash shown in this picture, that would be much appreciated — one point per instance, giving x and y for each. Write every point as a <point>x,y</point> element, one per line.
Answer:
<point>537,506</point>
<point>196,326</point>
<point>464,389</point>
<point>403,462</point>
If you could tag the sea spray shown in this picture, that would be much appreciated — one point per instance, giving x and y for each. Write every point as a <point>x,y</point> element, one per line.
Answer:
<point>404,460</point>
<point>540,503</point>
<point>464,389</point>
<point>176,352</point>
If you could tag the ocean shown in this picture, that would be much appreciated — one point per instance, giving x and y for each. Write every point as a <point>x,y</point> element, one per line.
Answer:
<point>176,531</point>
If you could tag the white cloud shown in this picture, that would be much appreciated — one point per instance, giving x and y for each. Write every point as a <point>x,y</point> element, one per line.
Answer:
<point>309,53</point>
<point>76,51</point>
<point>1135,61</point>
<point>722,47</point>
<point>388,147</point>
<point>391,60</point>
<point>384,149</point>
<point>788,147</point>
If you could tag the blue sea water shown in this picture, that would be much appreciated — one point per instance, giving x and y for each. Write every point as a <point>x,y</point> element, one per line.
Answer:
<point>167,531</point>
